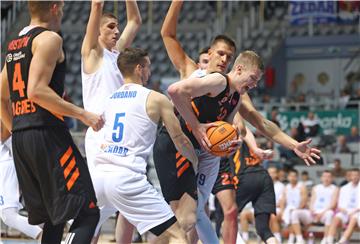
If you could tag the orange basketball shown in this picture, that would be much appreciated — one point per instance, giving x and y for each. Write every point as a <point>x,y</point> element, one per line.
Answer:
<point>220,136</point>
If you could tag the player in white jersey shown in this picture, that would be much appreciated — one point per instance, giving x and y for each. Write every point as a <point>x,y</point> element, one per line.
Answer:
<point>9,191</point>
<point>279,189</point>
<point>101,76</point>
<point>347,207</point>
<point>295,197</point>
<point>131,115</point>
<point>322,205</point>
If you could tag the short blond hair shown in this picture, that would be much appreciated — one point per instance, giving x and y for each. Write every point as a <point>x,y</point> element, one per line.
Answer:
<point>249,58</point>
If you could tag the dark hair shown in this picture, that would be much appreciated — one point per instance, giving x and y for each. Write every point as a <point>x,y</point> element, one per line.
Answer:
<point>202,51</point>
<point>40,8</point>
<point>355,169</point>
<point>129,58</point>
<point>304,173</point>
<point>293,171</point>
<point>226,39</point>
<point>327,171</point>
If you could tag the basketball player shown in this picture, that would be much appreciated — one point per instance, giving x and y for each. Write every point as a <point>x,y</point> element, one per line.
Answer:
<point>347,205</point>
<point>247,215</point>
<point>279,187</point>
<point>9,191</point>
<point>227,179</point>
<point>132,114</point>
<point>203,59</point>
<point>295,197</point>
<point>220,55</point>
<point>52,175</point>
<point>101,77</point>
<point>322,205</point>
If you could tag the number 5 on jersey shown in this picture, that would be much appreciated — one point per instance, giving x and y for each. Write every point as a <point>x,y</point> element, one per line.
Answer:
<point>118,129</point>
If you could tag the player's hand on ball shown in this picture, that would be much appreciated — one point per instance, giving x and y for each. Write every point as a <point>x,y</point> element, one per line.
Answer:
<point>307,153</point>
<point>200,134</point>
<point>235,145</point>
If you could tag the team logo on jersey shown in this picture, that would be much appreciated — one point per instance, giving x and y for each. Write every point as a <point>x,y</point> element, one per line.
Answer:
<point>9,58</point>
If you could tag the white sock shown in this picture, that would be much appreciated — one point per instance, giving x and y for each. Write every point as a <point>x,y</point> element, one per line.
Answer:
<point>299,239</point>
<point>245,236</point>
<point>330,240</point>
<point>239,239</point>
<point>291,239</point>
<point>278,236</point>
<point>324,240</point>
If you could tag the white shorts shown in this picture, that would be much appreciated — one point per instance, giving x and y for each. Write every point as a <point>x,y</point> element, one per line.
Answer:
<point>135,198</point>
<point>208,169</point>
<point>9,186</point>
<point>344,217</point>
<point>92,146</point>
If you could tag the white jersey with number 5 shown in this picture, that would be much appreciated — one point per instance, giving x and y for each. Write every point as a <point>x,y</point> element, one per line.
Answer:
<point>128,134</point>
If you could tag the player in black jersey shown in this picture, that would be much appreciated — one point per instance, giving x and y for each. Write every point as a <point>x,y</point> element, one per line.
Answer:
<point>220,54</point>
<point>53,176</point>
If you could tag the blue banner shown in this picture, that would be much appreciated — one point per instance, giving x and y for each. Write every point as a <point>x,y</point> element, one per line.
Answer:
<point>320,12</point>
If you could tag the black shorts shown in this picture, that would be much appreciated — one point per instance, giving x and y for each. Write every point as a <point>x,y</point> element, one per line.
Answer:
<point>225,178</point>
<point>53,176</point>
<point>176,173</point>
<point>256,187</point>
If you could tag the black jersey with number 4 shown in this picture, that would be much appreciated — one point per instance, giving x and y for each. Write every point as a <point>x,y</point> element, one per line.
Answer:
<point>26,113</point>
<point>210,109</point>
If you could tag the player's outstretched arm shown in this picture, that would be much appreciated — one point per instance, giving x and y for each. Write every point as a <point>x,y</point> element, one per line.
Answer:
<point>181,61</point>
<point>272,131</point>
<point>6,115</point>
<point>183,91</point>
<point>47,51</point>
<point>91,42</point>
<point>251,142</point>
<point>133,25</point>
<point>172,124</point>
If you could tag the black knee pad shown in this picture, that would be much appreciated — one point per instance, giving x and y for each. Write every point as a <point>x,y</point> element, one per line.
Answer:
<point>262,226</point>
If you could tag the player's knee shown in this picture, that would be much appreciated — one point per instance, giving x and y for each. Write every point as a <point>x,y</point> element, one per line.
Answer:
<point>8,215</point>
<point>187,222</point>
<point>263,230</point>
<point>328,217</point>
<point>294,217</point>
<point>231,213</point>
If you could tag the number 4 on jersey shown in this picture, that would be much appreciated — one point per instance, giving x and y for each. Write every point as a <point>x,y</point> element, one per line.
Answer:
<point>18,83</point>
<point>118,129</point>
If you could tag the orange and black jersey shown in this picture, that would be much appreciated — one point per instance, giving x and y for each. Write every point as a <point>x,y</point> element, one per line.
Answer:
<point>210,109</point>
<point>245,161</point>
<point>26,113</point>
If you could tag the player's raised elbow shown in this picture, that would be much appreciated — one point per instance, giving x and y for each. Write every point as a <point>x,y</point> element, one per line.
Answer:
<point>174,91</point>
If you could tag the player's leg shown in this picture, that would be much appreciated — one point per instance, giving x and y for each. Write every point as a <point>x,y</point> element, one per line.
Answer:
<point>298,217</point>
<point>229,207</point>
<point>224,191</point>
<point>53,233</point>
<point>326,220</point>
<point>338,221</point>
<point>263,228</point>
<point>123,231</point>
<point>275,227</point>
<point>207,174</point>
<point>349,229</point>
<point>246,217</point>
<point>9,201</point>
<point>140,203</point>
<point>263,202</point>
<point>177,180</point>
